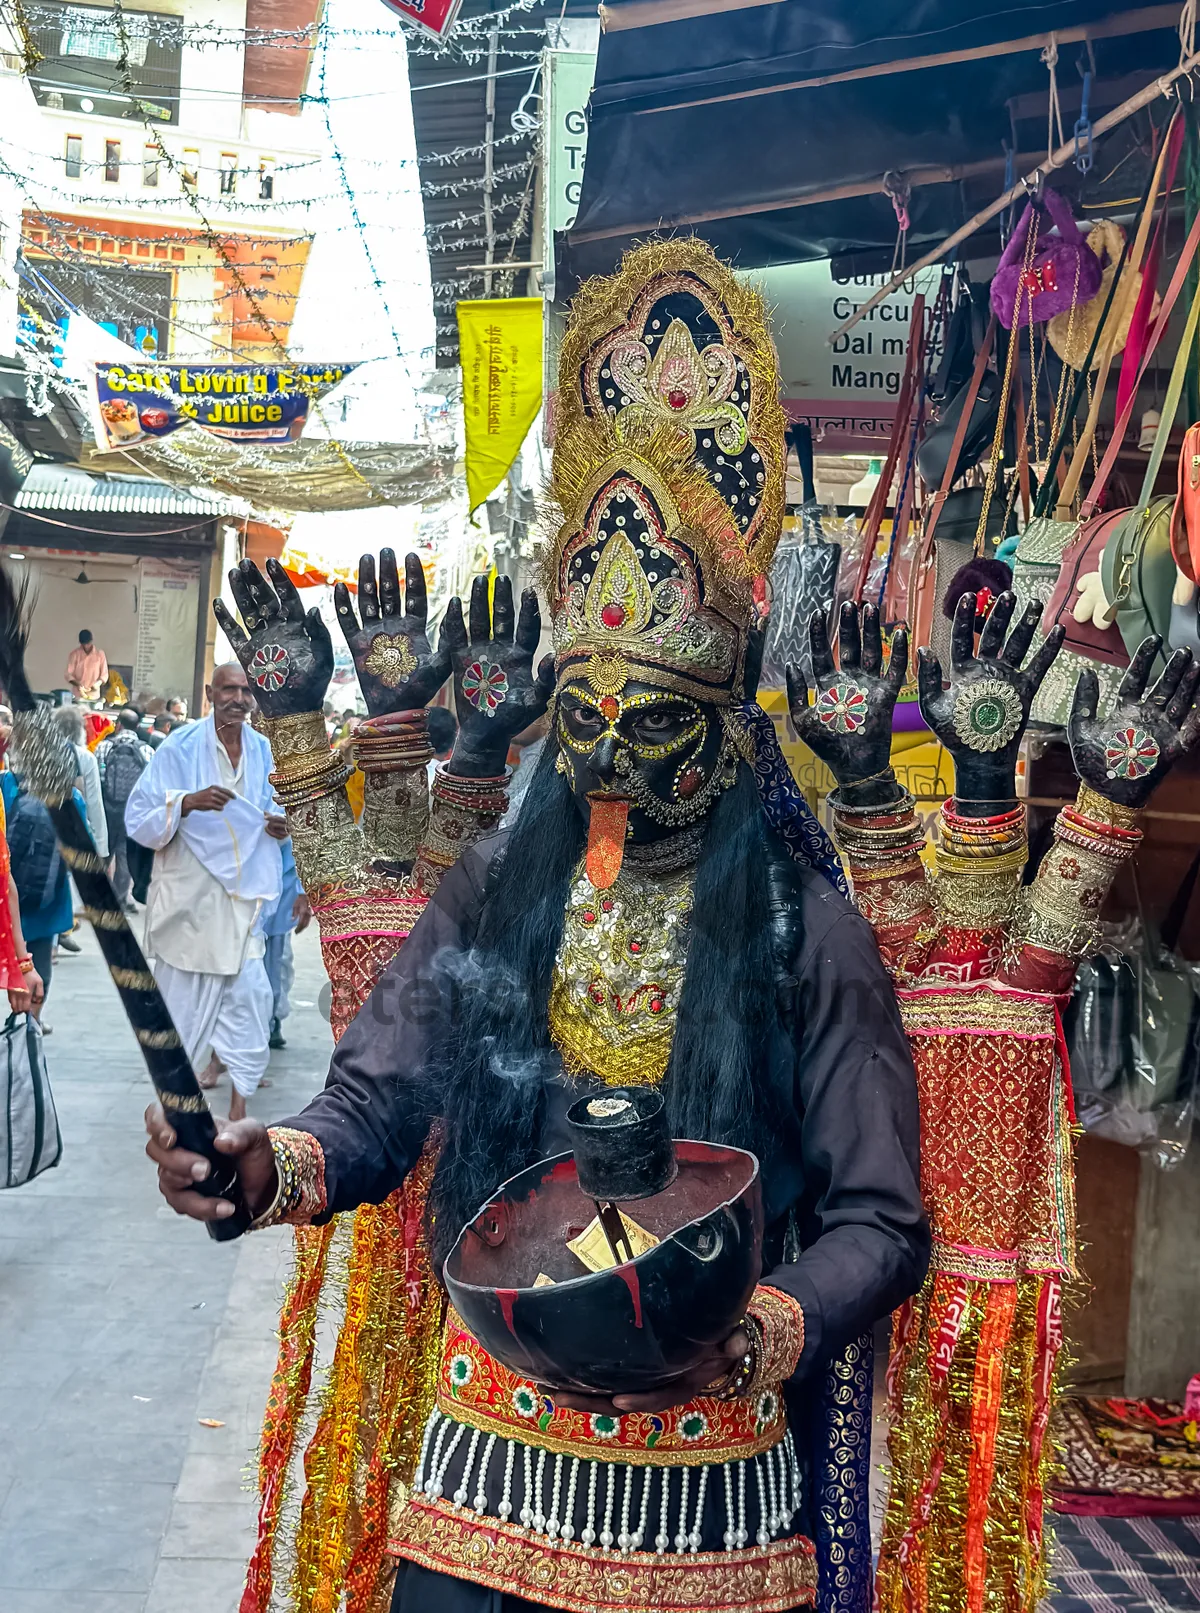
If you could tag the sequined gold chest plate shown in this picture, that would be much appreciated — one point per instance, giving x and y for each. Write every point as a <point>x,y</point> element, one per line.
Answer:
<point>619,973</point>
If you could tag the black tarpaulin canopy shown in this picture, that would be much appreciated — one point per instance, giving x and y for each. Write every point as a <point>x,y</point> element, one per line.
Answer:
<point>721,119</point>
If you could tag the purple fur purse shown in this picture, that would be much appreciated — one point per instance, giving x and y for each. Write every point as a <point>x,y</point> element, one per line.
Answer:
<point>1064,270</point>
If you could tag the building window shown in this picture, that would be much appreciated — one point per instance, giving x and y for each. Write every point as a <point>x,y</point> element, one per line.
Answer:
<point>150,163</point>
<point>189,168</point>
<point>82,67</point>
<point>228,173</point>
<point>90,32</point>
<point>266,178</point>
<point>74,156</point>
<point>112,162</point>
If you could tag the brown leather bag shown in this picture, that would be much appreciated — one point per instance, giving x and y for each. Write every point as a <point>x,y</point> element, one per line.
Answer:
<point>1081,558</point>
<point>922,580</point>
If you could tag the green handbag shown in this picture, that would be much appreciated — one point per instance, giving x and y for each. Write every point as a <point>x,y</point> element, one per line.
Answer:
<point>1137,567</point>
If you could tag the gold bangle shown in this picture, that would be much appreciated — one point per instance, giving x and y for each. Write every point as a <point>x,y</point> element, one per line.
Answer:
<point>296,735</point>
<point>1090,803</point>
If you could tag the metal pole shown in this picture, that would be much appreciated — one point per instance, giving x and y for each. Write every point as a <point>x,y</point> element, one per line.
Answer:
<point>489,222</point>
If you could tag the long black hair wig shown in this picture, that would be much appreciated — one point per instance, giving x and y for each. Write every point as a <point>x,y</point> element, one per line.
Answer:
<point>489,1087</point>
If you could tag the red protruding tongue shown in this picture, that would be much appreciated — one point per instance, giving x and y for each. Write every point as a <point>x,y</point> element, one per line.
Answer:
<point>606,841</point>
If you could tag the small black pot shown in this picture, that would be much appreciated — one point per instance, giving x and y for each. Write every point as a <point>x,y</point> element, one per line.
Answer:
<point>622,1140</point>
<point>631,1328</point>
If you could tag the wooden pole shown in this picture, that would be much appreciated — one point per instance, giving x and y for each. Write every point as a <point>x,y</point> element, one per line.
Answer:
<point>1058,159</point>
<point>942,174</point>
<point>1128,22</point>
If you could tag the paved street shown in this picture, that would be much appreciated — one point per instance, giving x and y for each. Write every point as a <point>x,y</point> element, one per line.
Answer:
<point>121,1326</point>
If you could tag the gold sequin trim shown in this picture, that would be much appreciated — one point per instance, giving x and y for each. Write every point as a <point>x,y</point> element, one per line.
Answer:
<point>504,1557</point>
<point>133,979</point>
<point>983,1008</point>
<point>82,862</point>
<point>192,1104</point>
<point>104,919</point>
<point>158,1039</point>
<point>619,974</point>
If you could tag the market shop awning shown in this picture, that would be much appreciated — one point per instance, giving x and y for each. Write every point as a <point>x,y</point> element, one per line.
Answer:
<point>312,474</point>
<point>770,126</point>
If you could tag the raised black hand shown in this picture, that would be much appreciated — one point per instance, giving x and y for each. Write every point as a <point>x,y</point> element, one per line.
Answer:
<point>397,668</point>
<point>981,716</point>
<point>850,725</point>
<point>1124,754</point>
<point>286,654</point>
<point>496,692</point>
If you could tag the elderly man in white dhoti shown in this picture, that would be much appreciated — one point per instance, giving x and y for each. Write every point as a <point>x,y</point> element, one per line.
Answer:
<point>204,806</point>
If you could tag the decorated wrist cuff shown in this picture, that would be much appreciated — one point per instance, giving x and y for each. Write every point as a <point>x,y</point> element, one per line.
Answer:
<point>294,739</point>
<point>300,1168</point>
<point>780,1322</point>
<point>1093,806</point>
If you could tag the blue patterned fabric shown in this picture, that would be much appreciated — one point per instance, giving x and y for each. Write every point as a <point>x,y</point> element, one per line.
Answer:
<point>1125,1565</point>
<point>788,813</point>
<point>840,1463</point>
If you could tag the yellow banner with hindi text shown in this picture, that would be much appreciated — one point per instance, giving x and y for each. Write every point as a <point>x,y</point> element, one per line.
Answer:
<point>500,342</point>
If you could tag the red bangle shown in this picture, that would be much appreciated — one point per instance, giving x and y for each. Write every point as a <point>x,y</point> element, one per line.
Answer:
<point>25,963</point>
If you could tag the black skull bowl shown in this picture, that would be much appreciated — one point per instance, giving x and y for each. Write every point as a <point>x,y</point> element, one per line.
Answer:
<point>636,1326</point>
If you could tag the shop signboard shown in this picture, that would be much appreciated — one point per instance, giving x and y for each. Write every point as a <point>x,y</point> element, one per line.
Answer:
<point>567,77</point>
<point>258,403</point>
<point>436,17</point>
<point>846,390</point>
<point>168,603</point>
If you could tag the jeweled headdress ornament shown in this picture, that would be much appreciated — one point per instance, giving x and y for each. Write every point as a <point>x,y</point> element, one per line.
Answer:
<point>668,474</point>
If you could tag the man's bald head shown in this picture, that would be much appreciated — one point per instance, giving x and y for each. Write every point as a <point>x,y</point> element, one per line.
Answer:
<point>230,695</point>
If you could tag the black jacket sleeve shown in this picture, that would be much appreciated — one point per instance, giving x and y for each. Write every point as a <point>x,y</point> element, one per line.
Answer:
<point>866,1237</point>
<point>371,1118</point>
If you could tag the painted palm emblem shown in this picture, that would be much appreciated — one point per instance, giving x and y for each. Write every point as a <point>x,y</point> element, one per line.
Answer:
<point>843,707</point>
<point>269,667</point>
<point>486,686</point>
<point>390,659</point>
<point>1130,753</point>
<point>987,714</point>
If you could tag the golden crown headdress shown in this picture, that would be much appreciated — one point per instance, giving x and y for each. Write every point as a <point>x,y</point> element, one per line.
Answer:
<point>668,474</point>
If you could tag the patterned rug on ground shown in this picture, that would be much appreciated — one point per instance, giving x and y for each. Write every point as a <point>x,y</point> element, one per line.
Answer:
<point>1126,1565</point>
<point>1127,1457</point>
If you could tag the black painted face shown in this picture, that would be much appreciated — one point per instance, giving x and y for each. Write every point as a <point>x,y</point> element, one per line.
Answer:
<point>665,753</point>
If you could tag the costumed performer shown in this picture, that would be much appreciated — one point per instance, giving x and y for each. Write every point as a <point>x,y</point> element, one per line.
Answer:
<point>983,965</point>
<point>357,1420</point>
<point>654,913</point>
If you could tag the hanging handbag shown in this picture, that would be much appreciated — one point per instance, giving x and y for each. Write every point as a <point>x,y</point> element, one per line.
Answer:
<point>30,1141</point>
<point>1185,517</point>
<point>1072,607</point>
<point>1071,336</point>
<point>923,596</point>
<point>1137,568</point>
<point>1132,1031</point>
<point>978,400</point>
<point>803,577</point>
<point>1064,271</point>
<point>1050,546</point>
<point>902,427</point>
